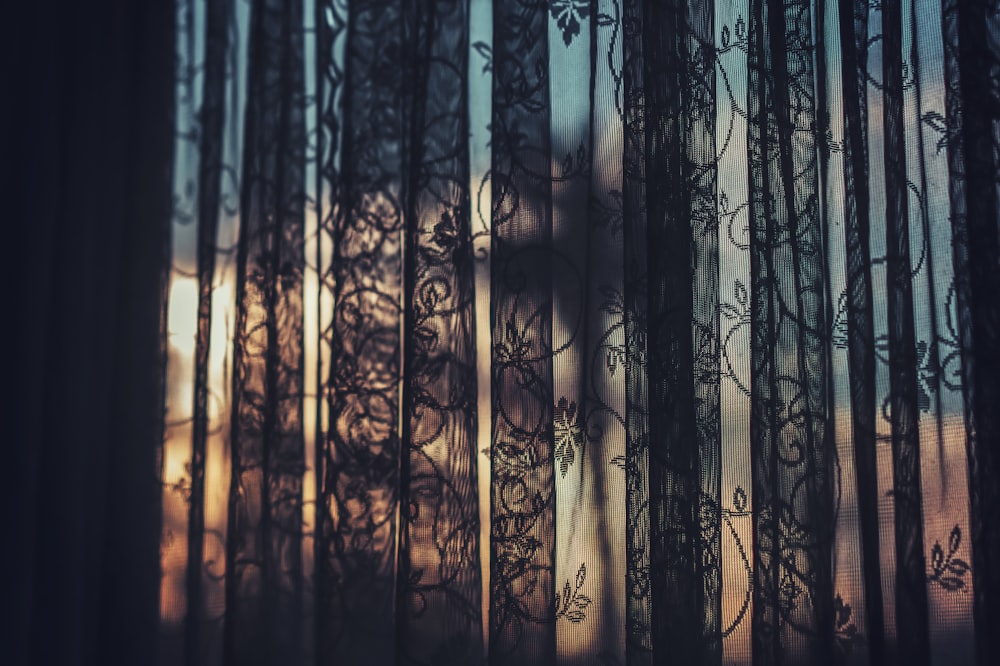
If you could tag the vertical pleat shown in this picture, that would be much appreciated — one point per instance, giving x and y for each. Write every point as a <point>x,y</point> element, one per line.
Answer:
<point>702,210</point>
<point>638,645</point>
<point>973,68</point>
<point>911,587</point>
<point>683,361</point>
<point>361,470</point>
<point>210,156</point>
<point>578,564</point>
<point>792,499</point>
<point>588,333</point>
<point>860,327</point>
<point>263,621</point>
<point>331,31</point>
<point>522,559</point>
<point>439,591</point>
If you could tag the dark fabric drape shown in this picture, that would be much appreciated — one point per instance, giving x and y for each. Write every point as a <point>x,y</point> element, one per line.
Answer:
<point>210,167</point>
<point>853,21</point>
<point>87,151</point>
<point>731,267</point>
<point>911,591</point>
<point>681,303</point>
<point>972,90</point>
<point>790,447</point>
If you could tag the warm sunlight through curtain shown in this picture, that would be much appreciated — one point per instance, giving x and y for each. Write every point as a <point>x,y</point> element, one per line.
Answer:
<point>583,332</point>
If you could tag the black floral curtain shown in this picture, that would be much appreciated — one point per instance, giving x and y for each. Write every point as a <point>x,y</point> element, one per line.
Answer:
<point>529,332</point>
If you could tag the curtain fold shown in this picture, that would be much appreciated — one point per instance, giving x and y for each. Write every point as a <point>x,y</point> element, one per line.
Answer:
<point>264,581</point>
<point>971,91</point>
<point>438,609</point>
<point>360,493</point>
<point>790,446</point>
<point>737,262</point>
<point>853,25</point>
<point>522,470</point>
<point>911,590</point>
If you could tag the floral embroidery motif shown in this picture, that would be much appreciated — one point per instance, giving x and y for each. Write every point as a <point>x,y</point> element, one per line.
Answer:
<point>568,14</point>
<point>948,571</point>
<point>571,604</point>
<point>846,633</point>
<point>568,434</point>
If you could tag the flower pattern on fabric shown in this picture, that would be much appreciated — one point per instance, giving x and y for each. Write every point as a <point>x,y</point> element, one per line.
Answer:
<point>568,14</point>
<point>568,434</point>
<point>947,570</point>
<point>846,634</point>
<point>571,604</point>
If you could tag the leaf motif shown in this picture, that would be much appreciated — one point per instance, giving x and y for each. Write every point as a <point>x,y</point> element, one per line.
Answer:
<point>961,564</point>
<point>729,311</point>
<point>486,51</point>
<point>935,121</point>
<point>923,399</point>
<point>842,611</point>
<point>740,499</point>
<point>581,576</point>
<point>952,583</point>
<point>937,557</point>
<point>740,292</point>
<point>958,567</point>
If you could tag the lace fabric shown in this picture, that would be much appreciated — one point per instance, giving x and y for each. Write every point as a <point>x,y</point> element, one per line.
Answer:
<point>736,264</point>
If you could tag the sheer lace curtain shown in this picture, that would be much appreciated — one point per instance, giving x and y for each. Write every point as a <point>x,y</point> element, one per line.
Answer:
<point>521,332</point>
<point>582,332</point>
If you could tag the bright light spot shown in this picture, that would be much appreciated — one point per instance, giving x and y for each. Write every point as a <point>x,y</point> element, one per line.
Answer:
<point>182,317</point>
